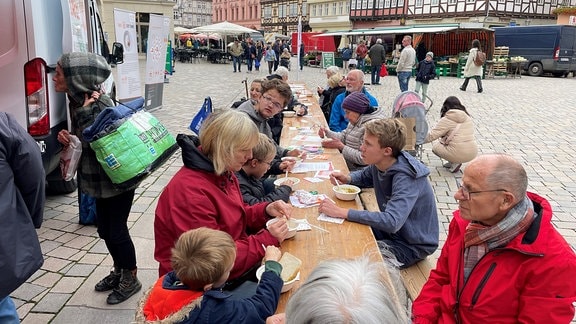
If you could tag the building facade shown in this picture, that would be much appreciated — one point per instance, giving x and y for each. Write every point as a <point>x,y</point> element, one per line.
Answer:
<point>490,13</point>
<point>281,16</point>
<point>329,15</point>
<point>242,12</point>
<point>192,13</point>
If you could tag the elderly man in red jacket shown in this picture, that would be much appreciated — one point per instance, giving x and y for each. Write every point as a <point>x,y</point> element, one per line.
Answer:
<point>503,260</point>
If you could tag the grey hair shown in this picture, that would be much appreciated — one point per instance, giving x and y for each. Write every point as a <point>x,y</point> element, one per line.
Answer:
<point>347,291</point>
<point>333,69</point>
<point>379,41</point>
<point>507,173</point>
<point>282,71</point>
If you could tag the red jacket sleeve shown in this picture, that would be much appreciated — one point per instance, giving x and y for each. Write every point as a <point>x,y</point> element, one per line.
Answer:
<point>427,306</point>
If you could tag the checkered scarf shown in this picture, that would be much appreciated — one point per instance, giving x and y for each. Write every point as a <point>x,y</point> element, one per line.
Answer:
<point>480,239</point>
<point>84,73</point>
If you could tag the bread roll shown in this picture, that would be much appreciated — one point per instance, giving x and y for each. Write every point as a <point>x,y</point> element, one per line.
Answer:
<point>290,266</point>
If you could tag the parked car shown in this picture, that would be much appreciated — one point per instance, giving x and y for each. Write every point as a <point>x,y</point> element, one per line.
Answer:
<point>34,36</point>
<point>547,48</point>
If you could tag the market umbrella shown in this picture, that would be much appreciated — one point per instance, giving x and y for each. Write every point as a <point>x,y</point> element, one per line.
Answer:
<point>225,28</point>
<point>182,30</point>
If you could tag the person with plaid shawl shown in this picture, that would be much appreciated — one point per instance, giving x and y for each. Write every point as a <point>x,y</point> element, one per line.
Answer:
<point>80,76</point>
<point>503,260</point>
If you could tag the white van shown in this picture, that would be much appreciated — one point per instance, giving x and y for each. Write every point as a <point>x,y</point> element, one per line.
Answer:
<point>34,34</point>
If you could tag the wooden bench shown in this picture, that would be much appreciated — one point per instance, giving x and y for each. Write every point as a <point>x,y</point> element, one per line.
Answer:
<point>413,277</point>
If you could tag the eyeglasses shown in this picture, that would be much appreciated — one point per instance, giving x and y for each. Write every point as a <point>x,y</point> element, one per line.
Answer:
<point>468,194</point>
<point>276,105</point>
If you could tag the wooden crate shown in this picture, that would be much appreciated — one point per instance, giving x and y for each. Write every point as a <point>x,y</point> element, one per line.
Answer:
<point>501,51</point>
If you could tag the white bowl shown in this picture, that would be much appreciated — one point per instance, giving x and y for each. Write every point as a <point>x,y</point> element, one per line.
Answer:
<point>292,226</point>
<point>287,285</point>
<point>278,182</point>
<point>289,113</point>
<point>311,148</point>
<point>346,192</point>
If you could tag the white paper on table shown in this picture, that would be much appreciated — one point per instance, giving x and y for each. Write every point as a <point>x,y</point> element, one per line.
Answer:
<point>307,138</point>
<point>302,225</point>
<point>312,166</point>
<point>325,218</point>
<point>313,180</point>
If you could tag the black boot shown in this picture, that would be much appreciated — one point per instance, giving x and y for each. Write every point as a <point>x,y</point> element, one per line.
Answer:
<point>465,84</point>
<point>479,84</point>
<point>109,282</point>
<point>129,285</point>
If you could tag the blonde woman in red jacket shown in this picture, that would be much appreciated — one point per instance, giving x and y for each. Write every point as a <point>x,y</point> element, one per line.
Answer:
<point>205,193</point>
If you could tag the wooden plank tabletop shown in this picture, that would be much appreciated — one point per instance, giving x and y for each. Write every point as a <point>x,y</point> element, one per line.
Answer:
<point>347,240</point>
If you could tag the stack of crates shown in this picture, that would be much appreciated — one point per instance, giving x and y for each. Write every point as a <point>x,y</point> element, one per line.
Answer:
<point>500,68</point>
<point>461,65</point>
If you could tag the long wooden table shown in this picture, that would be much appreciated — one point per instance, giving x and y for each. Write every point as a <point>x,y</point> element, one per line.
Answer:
<point>347,240</point>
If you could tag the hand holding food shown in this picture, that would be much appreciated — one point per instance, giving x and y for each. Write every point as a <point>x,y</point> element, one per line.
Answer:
<point>272,253</point>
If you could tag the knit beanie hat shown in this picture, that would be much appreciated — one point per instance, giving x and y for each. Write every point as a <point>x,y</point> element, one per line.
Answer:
<point>430,54</point>
<point>356,101</point>
<point>84,73</point>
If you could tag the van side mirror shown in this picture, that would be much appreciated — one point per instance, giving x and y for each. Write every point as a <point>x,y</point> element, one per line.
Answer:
<point>117,56</point>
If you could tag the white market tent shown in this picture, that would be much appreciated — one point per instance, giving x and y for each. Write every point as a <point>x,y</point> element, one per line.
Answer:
<point>225,28</point>
<point>182,30</point>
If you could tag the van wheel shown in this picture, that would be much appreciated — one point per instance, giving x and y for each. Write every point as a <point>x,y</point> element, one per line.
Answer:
<point>55,185</point>
<point>535,69</point>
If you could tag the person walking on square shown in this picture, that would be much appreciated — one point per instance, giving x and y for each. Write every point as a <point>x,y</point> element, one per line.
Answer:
<point>406,226</point>
<point>471,70</point>
<point>236,50</point>
<point>270,58</point>
<point>250,54</point>
<point>377,54</point>
<point>259,55</point>
<point>21,211</point>
<point>426,72</point>
<point>277,47</point>
<point>406,63</point>
<point>361,52</point>
<point>503,261</point>
<point>80,76</point>
<point>346,56</point>
<point>302,54</point>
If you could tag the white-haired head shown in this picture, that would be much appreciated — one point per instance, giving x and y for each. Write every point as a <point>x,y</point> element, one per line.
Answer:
<point>347,291</point>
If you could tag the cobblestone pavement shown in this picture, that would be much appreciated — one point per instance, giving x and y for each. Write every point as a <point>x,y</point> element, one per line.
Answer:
<point>529,118</point>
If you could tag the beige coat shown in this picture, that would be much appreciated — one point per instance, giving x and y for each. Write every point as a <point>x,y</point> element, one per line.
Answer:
<point>472,69</point>
<point>462,146</point>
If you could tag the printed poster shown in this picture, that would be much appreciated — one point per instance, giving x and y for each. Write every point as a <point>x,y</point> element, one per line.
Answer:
<point>155,61</point>
<point>128,83</point>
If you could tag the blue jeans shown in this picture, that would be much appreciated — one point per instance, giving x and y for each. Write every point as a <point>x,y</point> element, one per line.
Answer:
<point>360,64</point>
<point>375,74</point>
<point>403,78</point>
<point>237,59</point>
<point>8,314</point>
<point>249,61</point>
